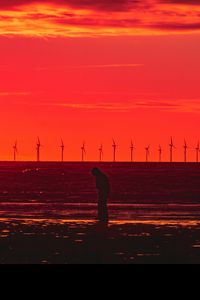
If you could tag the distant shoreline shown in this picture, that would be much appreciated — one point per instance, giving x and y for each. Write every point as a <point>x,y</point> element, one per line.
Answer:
<point>101,163</point>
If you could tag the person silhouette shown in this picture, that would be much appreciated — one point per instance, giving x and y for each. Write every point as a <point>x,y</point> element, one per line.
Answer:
<point>103,187</point>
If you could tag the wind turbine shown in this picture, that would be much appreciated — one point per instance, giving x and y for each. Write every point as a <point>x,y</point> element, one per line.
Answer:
<point>197,152</point>
<point>185,151</point>
<point>114,151</point>
<point>38,146</point>
<point>171,145</point>
<point>132,148</point>
<point>147,149</point>
<point>160,153</point>
<point>83,151</point>
<point>62,146</point>
<point>15,151</point>
<point>100,152</point>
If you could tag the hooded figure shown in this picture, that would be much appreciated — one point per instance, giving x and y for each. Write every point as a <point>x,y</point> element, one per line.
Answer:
<point>103,187</point>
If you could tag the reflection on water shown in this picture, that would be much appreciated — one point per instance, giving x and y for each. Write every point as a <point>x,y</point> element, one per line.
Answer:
<point>73,223</point>
<point>148,254</point>
<point>177,212</point>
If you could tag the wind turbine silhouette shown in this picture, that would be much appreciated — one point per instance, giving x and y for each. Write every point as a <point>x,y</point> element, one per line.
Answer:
<point>132,148</point>
<point>15,151</point>
<point>171,145</point>
<point>185,151</point>
<point>38,146</point>
<point>83,151</point>
<point>62,146</point>
<point>100,152</point>
<point>114,151</point>
<point>197,152</point>
<point>160,153</point>
<point>147,149</point>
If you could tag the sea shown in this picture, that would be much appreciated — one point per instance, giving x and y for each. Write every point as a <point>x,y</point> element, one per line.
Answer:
<point>139,191</point>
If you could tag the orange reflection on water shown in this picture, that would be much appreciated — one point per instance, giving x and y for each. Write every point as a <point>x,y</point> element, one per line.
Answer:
<point>28,221</point>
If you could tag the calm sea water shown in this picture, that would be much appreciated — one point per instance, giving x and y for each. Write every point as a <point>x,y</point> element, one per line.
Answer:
<point>140,191</point>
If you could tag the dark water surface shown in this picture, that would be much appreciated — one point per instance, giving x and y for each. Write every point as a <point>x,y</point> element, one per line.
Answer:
<point>67,190</point>
<point>48,211</point>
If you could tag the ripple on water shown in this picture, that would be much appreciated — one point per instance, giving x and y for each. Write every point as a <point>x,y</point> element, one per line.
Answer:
<point>119,253</point>
<point>81,233</point>
<point>44,262</point>
<point>147,254</point>
<point>5,231</point>
<point>196,246</point>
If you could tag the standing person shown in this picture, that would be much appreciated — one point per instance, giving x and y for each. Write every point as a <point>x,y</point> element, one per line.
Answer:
<point>103,187</point>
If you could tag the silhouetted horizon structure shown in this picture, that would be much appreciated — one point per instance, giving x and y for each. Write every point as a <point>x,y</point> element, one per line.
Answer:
<point>185,151</point>
<point>114,150</point>
<point>171,145</point>
<point>160,153</point>
<point>197,152</point>
<point>100,152</point>
<point>147,149</point>
<point>15,151</point>
<point>83,152</point>
<point>132,148</point>
<point>182,156</point>
<point>38,146</point>
<point>62,146</point>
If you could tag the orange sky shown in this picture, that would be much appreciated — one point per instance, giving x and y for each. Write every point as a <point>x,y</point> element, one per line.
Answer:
<point>96,70</point>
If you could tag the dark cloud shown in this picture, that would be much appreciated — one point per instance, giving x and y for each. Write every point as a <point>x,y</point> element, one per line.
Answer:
<point>176,26</point>
<point>107,5</point>
<point>189,2</point>
<point>88,22</point>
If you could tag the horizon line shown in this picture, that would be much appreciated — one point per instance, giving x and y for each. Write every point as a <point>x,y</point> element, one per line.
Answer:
<point>97,162</point>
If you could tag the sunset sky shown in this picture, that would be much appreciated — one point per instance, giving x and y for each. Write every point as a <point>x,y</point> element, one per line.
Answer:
<point>88,70</point>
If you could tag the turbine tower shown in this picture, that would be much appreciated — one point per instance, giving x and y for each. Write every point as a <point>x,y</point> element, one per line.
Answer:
<point>132,148</point>
<point>15,151</point>
<point>100,152</point>
<point>62,146</point>
<point>114,151</point>
<point>185,151</point>
<point>38,146</point>
<point>197,152</point>
<point>83,151</point>
<point>160,153</point>
<point>147,149</point>
<point>171,145</point>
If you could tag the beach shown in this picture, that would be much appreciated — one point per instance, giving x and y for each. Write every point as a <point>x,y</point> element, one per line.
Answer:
<point>87,242</point>
<point>48,214</point>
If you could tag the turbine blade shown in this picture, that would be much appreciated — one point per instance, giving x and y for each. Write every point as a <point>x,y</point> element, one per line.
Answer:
<point>185,144</point>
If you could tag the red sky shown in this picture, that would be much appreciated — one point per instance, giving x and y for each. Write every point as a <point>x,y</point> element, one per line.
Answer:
<point>96,70</point>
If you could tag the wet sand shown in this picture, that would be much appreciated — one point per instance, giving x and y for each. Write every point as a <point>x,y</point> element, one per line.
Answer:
<point>58,241</point>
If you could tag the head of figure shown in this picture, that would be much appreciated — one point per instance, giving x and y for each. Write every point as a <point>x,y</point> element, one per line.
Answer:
<point>95,171</point>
